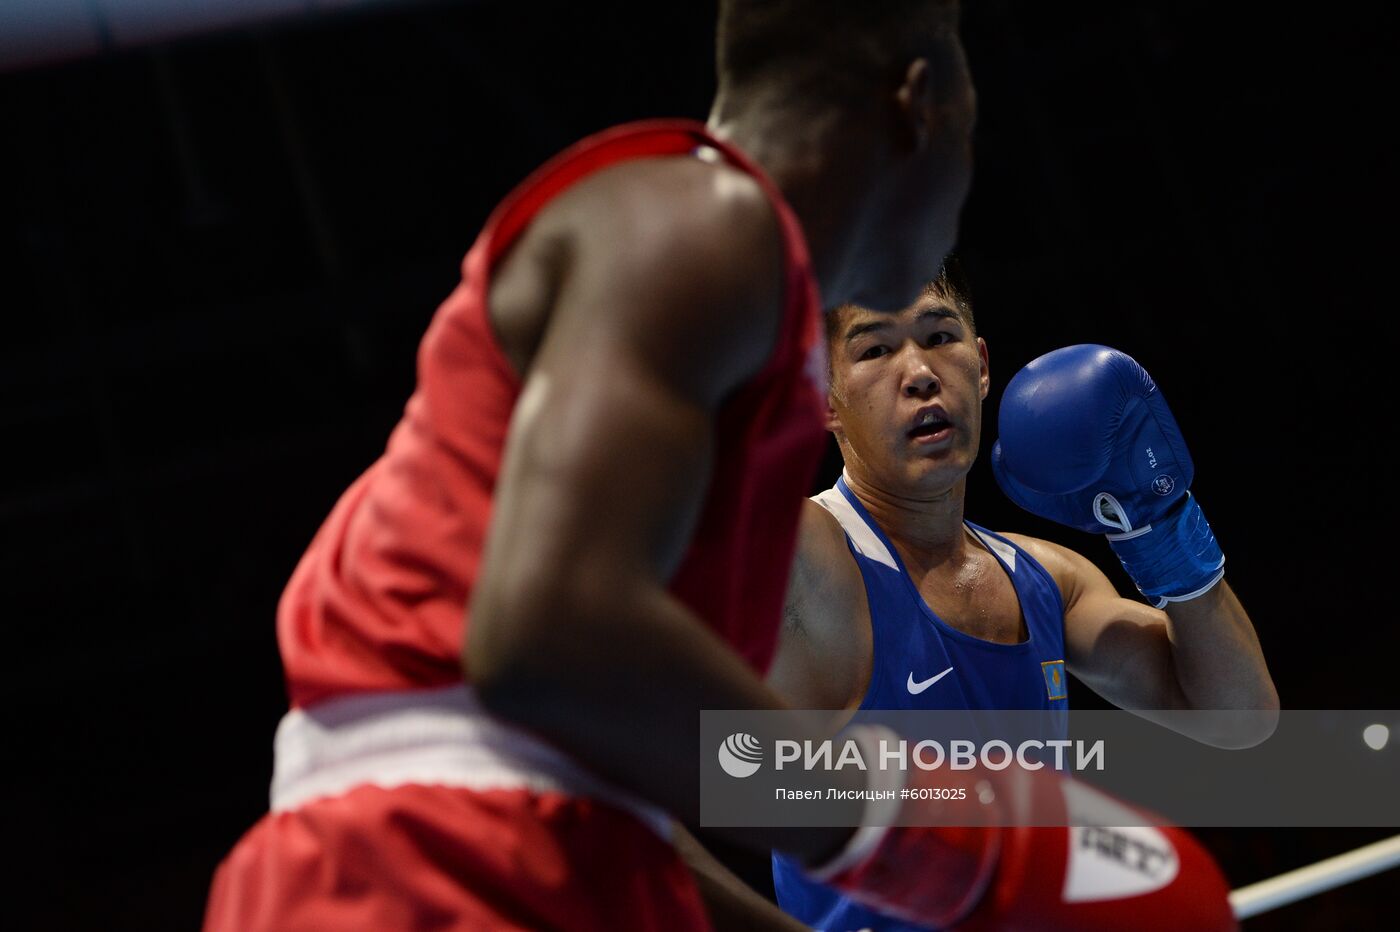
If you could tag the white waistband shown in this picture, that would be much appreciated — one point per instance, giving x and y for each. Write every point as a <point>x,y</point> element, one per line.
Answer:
<point>436,736</point>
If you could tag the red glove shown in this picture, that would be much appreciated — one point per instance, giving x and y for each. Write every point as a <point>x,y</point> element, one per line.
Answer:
<point>1051,878</point>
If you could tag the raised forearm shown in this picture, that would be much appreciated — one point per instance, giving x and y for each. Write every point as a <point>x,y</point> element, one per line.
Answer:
<point>1218,661</point>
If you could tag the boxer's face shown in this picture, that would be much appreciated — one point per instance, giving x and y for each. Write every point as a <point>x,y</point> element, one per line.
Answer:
<point>906,393</point>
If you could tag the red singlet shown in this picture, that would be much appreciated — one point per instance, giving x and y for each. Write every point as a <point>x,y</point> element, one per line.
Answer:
<point>397,803</point>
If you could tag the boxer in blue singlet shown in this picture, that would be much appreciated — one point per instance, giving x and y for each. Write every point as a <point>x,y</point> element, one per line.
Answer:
<point>898,602</point>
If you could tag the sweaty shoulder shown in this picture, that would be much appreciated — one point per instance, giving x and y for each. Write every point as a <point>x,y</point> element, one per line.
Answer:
<point>692,247</point>
<point>1060,562</point>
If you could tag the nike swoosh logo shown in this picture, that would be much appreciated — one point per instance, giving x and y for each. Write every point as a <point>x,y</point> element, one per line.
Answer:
<point>916,688</point>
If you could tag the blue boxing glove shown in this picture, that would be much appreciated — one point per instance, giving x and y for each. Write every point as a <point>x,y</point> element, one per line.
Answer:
<point>1087,440</point>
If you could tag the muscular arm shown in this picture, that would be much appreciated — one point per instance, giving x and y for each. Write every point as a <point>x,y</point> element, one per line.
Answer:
<point>573,634</point>
<point>1200,654</point>
<point>824,654</point>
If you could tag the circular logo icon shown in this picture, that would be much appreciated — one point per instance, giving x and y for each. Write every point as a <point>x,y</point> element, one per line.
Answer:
<point>1163,484</point>
<point>740,755</point>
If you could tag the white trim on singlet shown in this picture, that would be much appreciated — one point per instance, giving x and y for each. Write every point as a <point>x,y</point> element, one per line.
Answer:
<point>868,544</point>
<point>440,737</point>
<point>1000,548</point>
<point>865,540</point>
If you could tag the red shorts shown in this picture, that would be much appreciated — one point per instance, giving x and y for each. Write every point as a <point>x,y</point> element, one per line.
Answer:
<point>424,855</point>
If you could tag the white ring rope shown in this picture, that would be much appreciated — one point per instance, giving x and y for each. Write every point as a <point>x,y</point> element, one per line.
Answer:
<point>1316,878</point>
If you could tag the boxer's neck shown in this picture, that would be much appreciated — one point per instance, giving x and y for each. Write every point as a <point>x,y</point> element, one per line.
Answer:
<point>927,526</point>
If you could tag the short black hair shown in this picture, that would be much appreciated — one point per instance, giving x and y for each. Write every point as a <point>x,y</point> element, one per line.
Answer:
<point>949,286</point>
<point>830,51</point>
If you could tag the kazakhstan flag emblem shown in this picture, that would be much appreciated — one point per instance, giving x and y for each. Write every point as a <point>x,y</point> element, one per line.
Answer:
<point>1055,685</point>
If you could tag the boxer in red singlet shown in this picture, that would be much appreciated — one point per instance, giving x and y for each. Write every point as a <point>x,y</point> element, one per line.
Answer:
<point>497,644</point>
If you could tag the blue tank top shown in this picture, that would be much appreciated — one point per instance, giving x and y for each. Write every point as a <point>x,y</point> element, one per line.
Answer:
<point>922,662</point>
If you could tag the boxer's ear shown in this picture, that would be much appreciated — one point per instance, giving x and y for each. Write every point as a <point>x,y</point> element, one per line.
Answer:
<point>833,420</point>
<point>915,104</point>
<point>936,103</point>
<point>985,377</point>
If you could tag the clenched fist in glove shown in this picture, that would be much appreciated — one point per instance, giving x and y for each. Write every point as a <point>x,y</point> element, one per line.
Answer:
<point>1086,439</point>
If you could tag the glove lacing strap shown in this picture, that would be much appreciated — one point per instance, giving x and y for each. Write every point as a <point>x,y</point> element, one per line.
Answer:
<point>1177,561</point>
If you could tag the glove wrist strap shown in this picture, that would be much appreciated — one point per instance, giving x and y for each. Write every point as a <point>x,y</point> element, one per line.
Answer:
<point>1174,559</point>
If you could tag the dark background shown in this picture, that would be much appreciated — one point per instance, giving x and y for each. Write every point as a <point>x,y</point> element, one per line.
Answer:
<point>218,256</point>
